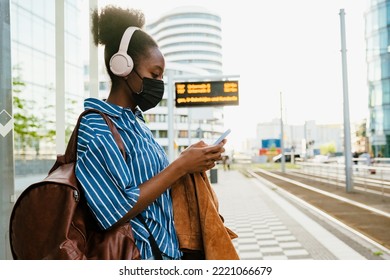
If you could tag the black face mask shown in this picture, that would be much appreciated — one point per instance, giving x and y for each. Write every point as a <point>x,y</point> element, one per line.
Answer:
<point>151,93</point>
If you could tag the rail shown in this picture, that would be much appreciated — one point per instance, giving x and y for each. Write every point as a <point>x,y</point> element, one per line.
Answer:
<point>368,217</point>
<point>373,178</point>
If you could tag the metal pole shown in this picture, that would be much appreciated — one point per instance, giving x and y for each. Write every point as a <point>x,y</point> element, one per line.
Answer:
<point>347,131</point>
<point>171,138</point>
<point>305,136</point>
<point>93,59</point>
<point>60,76</point>
<point>282,160</point>
<point>189,126</point>
<point>6,130</point>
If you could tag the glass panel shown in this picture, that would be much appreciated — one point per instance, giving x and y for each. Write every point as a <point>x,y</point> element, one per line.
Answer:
<point>24,22</point>
<point>38,34</point>
<point>385,68</point>
<point>386,118</point>
<point>382,17</point>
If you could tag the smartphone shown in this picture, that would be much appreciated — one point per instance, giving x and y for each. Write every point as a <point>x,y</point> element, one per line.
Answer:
<point>223,136</point>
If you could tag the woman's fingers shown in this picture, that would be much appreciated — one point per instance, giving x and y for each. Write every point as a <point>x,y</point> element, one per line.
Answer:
<point>202,157</point>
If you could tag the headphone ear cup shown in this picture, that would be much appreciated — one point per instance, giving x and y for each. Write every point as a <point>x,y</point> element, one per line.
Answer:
<point>121,64</point>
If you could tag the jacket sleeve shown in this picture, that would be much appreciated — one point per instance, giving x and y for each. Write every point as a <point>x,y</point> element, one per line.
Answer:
<point>103,173</point>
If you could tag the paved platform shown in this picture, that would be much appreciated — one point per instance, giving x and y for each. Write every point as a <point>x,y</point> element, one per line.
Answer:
<point>270,227</point>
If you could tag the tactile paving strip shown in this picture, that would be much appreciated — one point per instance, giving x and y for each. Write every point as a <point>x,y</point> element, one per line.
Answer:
<point>265,231</point>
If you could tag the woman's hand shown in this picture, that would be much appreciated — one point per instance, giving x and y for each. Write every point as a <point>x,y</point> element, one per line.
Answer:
<point>196,158</point>
<point>200,157</point>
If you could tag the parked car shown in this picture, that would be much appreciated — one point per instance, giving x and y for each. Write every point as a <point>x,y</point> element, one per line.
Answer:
<point>287,157</point>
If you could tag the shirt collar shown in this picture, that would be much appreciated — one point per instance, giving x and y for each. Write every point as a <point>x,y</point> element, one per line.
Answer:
<point>138,114</point>
<point>111,109</point>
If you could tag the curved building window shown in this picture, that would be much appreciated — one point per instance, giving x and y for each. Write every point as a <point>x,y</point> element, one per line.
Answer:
<point>383,41</point>
<point>189,15</point>
<point>374,70</point>
<point>385,67</point>
<point>198,52</point>
<point>190,34</point>
<point>388,9</point>
<point>192,44</point>
<point>386,91</point>
<point>172,28</point>
<point>386,119</point>
<point>207,62</point>
<point>382,17</point>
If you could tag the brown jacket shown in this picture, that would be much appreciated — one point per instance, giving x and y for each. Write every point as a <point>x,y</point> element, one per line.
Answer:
<point>199,226</point>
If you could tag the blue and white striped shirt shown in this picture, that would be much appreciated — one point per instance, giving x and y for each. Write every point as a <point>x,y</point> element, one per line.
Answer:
<point>111,184</point>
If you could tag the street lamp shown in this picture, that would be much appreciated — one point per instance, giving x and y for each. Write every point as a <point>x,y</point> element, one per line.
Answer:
<point>347,132</point>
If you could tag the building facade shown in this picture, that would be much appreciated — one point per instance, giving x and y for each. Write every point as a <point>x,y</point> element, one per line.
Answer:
<point>33,45</point>
<point>377,35</point>
<point>306,140</point>
<point>190,35</point>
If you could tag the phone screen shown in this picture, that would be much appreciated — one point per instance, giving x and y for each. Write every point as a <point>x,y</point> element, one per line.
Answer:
<point>223,136</point>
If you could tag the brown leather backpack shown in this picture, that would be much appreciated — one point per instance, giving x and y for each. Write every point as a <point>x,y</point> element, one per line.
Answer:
<point>51,219</point>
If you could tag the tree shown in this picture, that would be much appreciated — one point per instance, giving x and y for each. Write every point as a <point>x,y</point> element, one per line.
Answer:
<point>31,128</point>
<point>361,130</point>
<point>26,125</point>
<point>327,149</point>
<point>28,128</point>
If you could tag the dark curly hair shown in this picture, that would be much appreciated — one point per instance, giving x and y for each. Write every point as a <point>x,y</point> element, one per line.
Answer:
<point>108,28</point>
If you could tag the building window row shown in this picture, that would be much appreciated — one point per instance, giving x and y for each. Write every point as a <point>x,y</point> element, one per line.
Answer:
<point>198,61</point>
<point>380,93</point>
<point>170,18</point>
<point>173,28</point>
<point>190,34</point>
<point>192,44</point>
<point>378,18</point>
<point>184,134</point>
<point>159,118</point>
<point>162,118</point>
<point>196,52</point>
<point>378,43</point>
<point>379,68</point>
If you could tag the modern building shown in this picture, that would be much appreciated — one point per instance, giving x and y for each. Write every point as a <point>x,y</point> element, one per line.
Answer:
<point>307,139</point>
<point>377,35</point>
<point>190,35</point>
<point>41,89</point>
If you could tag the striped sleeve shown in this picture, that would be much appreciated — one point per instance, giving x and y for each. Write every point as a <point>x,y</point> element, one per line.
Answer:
<point>103,173</point>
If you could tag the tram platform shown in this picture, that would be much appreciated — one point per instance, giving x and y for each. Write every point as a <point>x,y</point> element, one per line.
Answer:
<point>270,226</point>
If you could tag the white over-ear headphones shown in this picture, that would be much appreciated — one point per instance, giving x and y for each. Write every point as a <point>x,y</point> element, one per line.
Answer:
<point>121,64</point>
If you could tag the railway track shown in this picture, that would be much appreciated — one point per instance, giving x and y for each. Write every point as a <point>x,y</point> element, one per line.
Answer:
<point>366,213</point>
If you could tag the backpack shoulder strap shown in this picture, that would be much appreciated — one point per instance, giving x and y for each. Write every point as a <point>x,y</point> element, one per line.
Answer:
<point>71,156</point>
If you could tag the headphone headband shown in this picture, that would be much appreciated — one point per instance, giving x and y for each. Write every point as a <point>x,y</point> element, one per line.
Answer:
<point>126,37</point>
<point>121,64</point>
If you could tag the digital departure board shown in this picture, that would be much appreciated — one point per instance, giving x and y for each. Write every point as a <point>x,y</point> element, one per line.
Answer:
<point>214,93</point>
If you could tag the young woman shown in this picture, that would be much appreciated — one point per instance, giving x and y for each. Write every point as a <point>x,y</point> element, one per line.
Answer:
<point>118,189</point>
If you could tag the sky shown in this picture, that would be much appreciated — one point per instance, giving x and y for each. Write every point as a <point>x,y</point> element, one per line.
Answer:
<point>288,49</point>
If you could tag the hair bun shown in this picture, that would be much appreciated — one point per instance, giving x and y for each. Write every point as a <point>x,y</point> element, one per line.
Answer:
<point>109,25</point>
